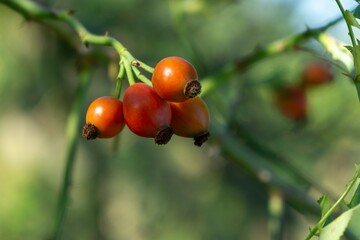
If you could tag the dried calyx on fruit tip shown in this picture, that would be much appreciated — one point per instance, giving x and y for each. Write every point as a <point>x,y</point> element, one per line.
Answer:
<point>192,88</point>
<point>163,136</point>
<point>90,131</point>
<point>199,140</point>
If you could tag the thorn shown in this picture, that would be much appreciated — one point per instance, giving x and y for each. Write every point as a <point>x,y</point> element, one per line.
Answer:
<point>135,63</point>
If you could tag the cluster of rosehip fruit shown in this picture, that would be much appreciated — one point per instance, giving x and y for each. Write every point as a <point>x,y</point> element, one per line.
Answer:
<point>170,106</point>
<point>292,101</point>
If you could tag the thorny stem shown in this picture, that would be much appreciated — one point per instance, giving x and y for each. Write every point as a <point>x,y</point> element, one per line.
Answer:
<point>336,204</point>
<point>351,34</point>
<point>140,76</point>
<point>260,53</point>
<point>145,66</point>
<point>32,11</point>
<point>119,80</point>
<point>129,72</point>
<point>356,50</point>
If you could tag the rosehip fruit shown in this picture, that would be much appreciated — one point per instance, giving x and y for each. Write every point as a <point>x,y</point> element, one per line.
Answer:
<point>291,102</point>
<point>104,118</point>
<point>316,74</point>
<point>175,79</point>
<point>191,119</point>
<point>146,114</point>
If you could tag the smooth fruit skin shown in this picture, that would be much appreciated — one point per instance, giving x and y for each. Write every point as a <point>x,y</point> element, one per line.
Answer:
<point>190,118</point>
<point>170,77</point>
<point>106,114</point>
<point>315,74</point>
<point>291,102</point>
<point>145,112</point>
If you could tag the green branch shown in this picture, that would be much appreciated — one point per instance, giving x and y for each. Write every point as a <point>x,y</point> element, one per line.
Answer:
<point>347,15</point>
<point>33,11</point>
<point>72,136</point>
<point>336,205</point>
<point>352,37</point>
<point>262,170</point>
<point>119,80</point>
<point>261,53</point>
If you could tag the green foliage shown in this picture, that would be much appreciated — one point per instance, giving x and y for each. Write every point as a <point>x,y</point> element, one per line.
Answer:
<point>176,192</point>
<point>355,200</point>
<point>351,19</point>
<point>336,228</point>
<point>325,204</point>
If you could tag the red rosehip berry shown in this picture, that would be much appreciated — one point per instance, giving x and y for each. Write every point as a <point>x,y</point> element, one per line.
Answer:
<point>104,118</point>
<point>291,102</point>
<point>315,74</point>
<point>146,114</point>
<point>191,119</point>
<point>175,79</point>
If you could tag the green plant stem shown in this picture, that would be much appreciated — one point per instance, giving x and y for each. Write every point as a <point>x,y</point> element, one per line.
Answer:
<point>265,174</point>
<point>250,142</point>
<point>336,204</point>
<point>33,11</point>
<point>261,170</point>
<point>72,136</point>
<point>119,80</point>
<point>145,66</point>
<point>352,38</point>
<point>129,72</point>
<point>260,53</point>
<point>141,77</point>
<point>356,50</point>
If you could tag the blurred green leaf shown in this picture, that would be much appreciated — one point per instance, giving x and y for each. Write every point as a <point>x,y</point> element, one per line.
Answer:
<point>355,200</point>
<point>337,227</point>
<point>324,203</point>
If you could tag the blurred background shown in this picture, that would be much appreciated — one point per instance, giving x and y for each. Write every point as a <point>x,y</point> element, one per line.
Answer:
<point>177,191</point>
